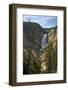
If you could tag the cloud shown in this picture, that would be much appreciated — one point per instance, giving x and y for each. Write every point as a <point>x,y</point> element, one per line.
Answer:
<point>44,21</point>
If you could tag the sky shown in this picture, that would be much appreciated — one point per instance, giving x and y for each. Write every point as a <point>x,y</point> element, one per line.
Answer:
<point>44,21</point>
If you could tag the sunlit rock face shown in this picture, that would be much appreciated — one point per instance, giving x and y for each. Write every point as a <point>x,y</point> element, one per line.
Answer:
<point>44,61</point>
<point>43,67</point>
<point>52,37</point>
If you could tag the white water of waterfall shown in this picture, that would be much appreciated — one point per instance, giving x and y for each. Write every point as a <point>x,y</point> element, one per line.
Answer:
<point>44,41</point>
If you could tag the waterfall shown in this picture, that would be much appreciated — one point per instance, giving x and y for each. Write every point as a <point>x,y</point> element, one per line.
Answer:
<point>44,41</point>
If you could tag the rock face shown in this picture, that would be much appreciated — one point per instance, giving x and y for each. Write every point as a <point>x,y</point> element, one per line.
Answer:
<point>52,36</point>
<point>35,63</point>
<point>32,35</point>
<point>31,62</point>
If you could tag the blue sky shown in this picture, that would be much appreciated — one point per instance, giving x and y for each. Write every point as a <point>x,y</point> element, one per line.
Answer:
<point>44,21</point>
